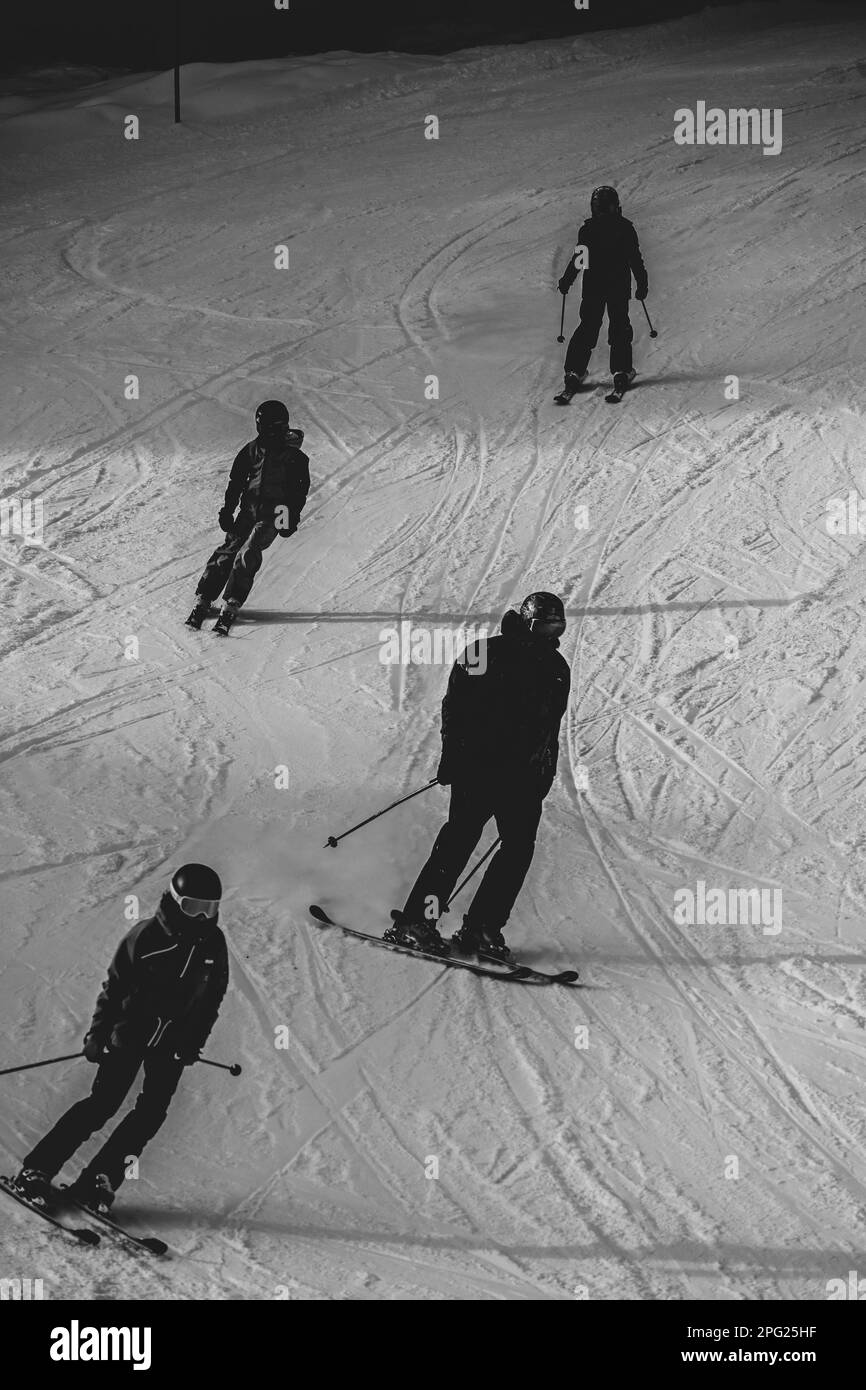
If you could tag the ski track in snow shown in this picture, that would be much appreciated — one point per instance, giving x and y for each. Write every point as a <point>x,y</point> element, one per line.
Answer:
<point>560,1166</point>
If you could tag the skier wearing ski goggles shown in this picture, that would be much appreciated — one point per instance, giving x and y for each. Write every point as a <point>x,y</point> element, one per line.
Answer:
<point>196,907</point>
<point>155,1011</point>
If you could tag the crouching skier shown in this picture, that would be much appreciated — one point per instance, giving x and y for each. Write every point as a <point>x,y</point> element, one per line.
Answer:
<point>270,478</point>
<point>156,1010</point>
<point>500,742</point>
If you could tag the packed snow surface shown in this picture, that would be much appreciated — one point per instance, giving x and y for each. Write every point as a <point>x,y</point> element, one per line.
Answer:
<point>688,1125</point>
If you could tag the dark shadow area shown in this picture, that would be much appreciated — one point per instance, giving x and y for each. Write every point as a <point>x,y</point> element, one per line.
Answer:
<point>142,37</point>
<point>688,1255</point>
<point>682,378</point>
<point>491,619</point>
<point>549,957</point>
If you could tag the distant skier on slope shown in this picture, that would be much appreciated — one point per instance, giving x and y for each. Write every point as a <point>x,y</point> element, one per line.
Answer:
<point>614,257</point>
<point>156,1009</point>
<point>500,742</point>
<point>270,477</point>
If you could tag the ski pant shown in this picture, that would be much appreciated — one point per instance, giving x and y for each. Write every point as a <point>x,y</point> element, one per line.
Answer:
<point>516,809</point>
<point>585,336</point>
<point>114,1077</point>
<point>235,564</point>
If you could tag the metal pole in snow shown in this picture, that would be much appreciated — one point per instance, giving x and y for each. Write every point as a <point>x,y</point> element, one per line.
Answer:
<point>176,62</point>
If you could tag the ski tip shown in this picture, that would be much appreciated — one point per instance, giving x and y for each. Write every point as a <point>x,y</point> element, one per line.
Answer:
<point>319,913</point>
<point>154,1245</point>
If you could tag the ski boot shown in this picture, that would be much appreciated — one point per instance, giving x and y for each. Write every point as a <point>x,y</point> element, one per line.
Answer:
<point>94,1191</point>
<point>422,935</point>
<point>472,938</point>
<point>621,382</point>
<point>35,1185</point>
<point>199,613</point>
<point>573,381</point>
<point>493,944</point>
<point>226,618</point>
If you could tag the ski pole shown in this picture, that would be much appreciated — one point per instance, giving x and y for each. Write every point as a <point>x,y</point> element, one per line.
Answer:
<point>484,856</point>
<point>653,333</point>
<point>235,1067</point>
<point>561,338</point>
<point>49,1061</point>
<point>333,840</point>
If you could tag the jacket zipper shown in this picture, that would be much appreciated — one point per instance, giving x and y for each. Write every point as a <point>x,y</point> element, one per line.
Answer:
<point>156,1037</point>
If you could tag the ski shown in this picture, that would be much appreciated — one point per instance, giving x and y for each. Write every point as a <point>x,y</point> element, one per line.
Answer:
<point>82,1234</point>
<point>560,977</point>
<point>152,1244</point>
<point>519,973</point>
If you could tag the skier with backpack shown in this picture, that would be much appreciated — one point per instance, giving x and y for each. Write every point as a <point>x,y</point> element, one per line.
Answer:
<point>500,742</point>
<point>270,478</point>
<point>614,256</point>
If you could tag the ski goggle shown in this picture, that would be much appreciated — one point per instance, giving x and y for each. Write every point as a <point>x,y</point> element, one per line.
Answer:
<point>548,627</point>
<point>196,907</point>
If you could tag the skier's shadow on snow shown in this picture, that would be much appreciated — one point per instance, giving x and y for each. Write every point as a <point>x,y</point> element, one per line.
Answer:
<point>589,959</point>
<point>672,379</point>
<point>275,615</point>
<point>691,1256</point>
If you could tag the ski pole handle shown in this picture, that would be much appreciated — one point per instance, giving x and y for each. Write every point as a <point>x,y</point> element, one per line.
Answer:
<point>653,333</point>
<point>235,1067</point>
<point>49,1062</point>
<point>561,338</point>
<point>486,855</point>
<point>333,840</point>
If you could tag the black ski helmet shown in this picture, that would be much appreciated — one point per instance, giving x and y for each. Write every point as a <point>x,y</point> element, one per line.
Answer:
<point>546,610</point>
<point>604,200</point>
<point>271,418</point>
<point>196,889</point>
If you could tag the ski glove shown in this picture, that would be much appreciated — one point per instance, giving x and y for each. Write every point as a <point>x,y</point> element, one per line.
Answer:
<point>226,520</point>
<point>564,285</point>
<point>642,291</point>
<point>93,1048</point>
<point>188,1055</point>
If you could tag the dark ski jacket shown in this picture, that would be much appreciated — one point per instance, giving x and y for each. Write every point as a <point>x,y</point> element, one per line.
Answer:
<point>614,257</point>
<point>503,707</point>
<point>270,474</point>
<point>165,984</point>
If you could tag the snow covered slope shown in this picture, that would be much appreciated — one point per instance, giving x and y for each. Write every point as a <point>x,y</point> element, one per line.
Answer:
<point>715,635</point>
